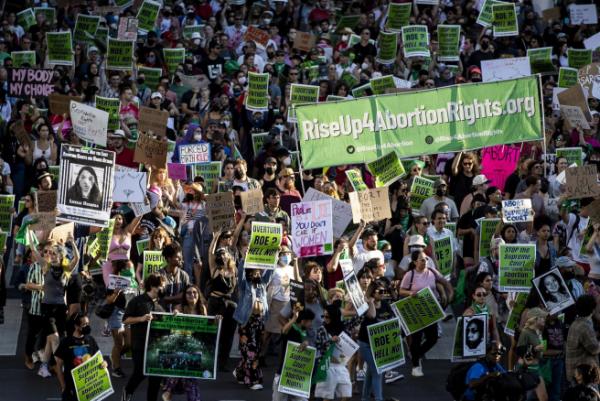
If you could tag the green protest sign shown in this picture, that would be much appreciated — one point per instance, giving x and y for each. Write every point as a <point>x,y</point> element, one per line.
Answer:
<point>385,341</point>
<point>579,58</point>
<point>451,226</point>
<point>387,47</point>
<point>21,58</point>
<point>263,249</point>
<point>112,106</point>
<point>123,3</point>
<point>26,19</point>
<point>356,180</point>
<point>189,30</point>
<point>334,98</point>
<point>457,345</point>
<point>92,381</point>
<point>516,267</point>
<point>444,253</point>
<point>381,84</point>
<point>20,206</point>
<point>60,48</point>
<point>48,13</point>
<point>449,42</point>
<point>258,92</point>
<point>567,77</point>
<point>119,54</point>
<point>183,346</point>
<point>301,94</point>
<point>485,17</point>
<point>85,28</point>
<point>421,189</point>
<point>296,373</point>
<point>142,245</point>
<point>151,76</point>
<point>6,212</point>
<point>361,91</point>
<point>258,141</point>
<point>209,171</point>
<point>416,41</point>
<point>487,228</point>
<point>541,60</point>
<point>153,261</point>
<point>147,15</point>
<point>573,155</point>
<point>173,57</point>
<point>103,241</point>
<point>3,238</point>
<point>386,169</point>
<point>514,317</point>
<point>457,118</point>
<point>398,16</point>
<point>346,21</point>
<point>418,311</point>
<point>505,20</point>
<point>55,172</point>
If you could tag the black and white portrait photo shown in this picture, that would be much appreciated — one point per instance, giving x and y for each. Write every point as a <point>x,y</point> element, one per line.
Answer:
<point>355,293</point>
<point>553,291</point>
<point>84,189</point>
<point>474,335</point>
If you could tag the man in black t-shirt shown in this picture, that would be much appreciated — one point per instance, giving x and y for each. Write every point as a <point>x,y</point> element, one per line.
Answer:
<point>212,65</point>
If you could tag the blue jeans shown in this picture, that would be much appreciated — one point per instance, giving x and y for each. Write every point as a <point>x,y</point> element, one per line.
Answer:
<point>558,379</point>
<point>373,381</point>
<point>188,252</point>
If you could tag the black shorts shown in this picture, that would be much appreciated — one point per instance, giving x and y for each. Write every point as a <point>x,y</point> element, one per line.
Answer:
<point>74,290</point>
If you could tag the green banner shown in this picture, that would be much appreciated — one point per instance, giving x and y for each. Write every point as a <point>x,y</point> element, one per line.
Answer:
<point>3,238</point>
<point>296,373</point>
<point>182,346</point>
<point>487,228</point>
<point>418,311</point>
<point>567,77</point>
<point>24,57</point>
<point>60,48</point>
<point>301,94</point>
<point>385,340</point>
<point>258,92</point>
<point>119,54</point>
<point>263,249</point>
<point>142,245</point>
<point>356,180</point>
<point>48,13</point>
<point>102,242</point>
<point>516,267</point>
<point>415,39</point>
<point>417,123</point>
<point>7,203</point>
<point>541,60</point>
<point>188,30</point>
<point>92,381</point>
<point>505,20</point>
<point>573,155</point>
<point>421,189</point>
<point>209,171</point>
<point>153,261</point>
<point>387,169</point>
<point>485,17</point>
<point>449,42</point>
<point>112,106</point>
<point>398,16</point>
<point>26,19</point>
<point>380,85</point>
<point>85,28</point>
<point>387,47</point>
<point>151,76</point>
<point>173,57</point>
<point>444,253</point>
<point>147,15</point>
<point>579,58</point>
<point>514,317</point>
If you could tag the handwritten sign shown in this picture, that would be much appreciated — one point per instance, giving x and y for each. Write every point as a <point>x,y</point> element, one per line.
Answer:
<point>150,151</point>
<point>498,162</point>
<point>342,211</point>
<point>89,123</point>
<point>153,120</point>
<point>220,210</point>
<point>177,171</point>
<point>517,211</point>
<point>252,201</point>
<point>195,153</point>
<point>312,228</point>
<point>370,205</point>
<point>582,182</point>
<point>257,35</point>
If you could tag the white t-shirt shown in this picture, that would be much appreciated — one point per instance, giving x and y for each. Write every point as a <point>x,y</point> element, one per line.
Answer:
<point>361,258</point>
<point>280,282</point>
<point>577,237</point>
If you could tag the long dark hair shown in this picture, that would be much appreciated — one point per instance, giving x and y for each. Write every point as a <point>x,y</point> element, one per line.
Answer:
<point>544,291</point>
<point>200,306</point>
<point>95,191</point>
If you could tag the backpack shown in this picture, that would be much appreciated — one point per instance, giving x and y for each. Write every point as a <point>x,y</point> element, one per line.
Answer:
<point>455,382</point>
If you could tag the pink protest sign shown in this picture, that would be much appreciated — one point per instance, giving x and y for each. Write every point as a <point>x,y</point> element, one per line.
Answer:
<point>498,162</point>
<point>312,228</point>
<point>177,171</point>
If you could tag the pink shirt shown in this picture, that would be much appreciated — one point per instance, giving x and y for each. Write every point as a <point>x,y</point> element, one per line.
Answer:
<point>426,278</point>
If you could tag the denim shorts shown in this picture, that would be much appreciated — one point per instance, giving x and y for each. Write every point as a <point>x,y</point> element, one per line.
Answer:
<point>115,321</point>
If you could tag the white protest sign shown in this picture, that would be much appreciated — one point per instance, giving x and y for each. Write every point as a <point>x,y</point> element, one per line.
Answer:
<point>312,228</point>
<point>346,345</point>
<point>555,102</point>
<point>195,153</point>
<point>118,282</point>
<point>593,42</point>
<point>505,68</point>
<point>574,115</point>
<point>89,123</point>
<point>342,211</point>
<point>140,208</point>
<point>583,14</point>
<point>129,186</point>
<point>517,211</point>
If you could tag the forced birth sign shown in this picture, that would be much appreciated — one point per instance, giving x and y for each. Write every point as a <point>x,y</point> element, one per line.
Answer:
<point>263,250</point>
<point>516,267</point>
<point>296,373</point>
<point>195,153</point>
<point>92,381</point>
<point>312,228</point>
<point>385,341</point>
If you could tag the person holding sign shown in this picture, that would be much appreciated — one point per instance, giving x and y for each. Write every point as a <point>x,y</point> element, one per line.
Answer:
<point>483,370</point>
<point>158,240</point>
<point>478,307</point>
<point>530,346</point>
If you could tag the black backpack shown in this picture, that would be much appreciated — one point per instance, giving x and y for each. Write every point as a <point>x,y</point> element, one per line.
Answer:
<point>455,382</point>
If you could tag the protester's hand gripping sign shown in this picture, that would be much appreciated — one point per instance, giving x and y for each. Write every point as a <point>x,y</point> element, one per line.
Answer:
<point>91,379</point>
<point>418,311</point>
<point>385,341</point>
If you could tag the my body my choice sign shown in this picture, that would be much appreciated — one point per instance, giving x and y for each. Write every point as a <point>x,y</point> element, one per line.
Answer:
<point>457,118</point>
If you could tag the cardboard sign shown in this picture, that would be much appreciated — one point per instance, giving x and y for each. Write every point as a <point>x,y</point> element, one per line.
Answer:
<point>304,41</point>
<point>89,123</point>
<point>312,228</point>
<point>59,104</point>
<point>150,151</point>
<point>153,120</point>
<point>517,211</point>
<point>589,79</point>
<point>575,96</point>
<point>62,233</point>
<point>194,153</point>
<point>45,200</point>
<point>370,205</point>
<point>252,201</point>
<point>260,37</point>
<point>220,210</point>
<point>582,182</point>
<point>505,68</point>
<point>574,115</point>
<point>27,82</point>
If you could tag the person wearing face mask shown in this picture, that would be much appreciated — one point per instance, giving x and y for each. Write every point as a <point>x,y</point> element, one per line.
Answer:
<point>240,177</point>
<point>124,155</point>
<point>441,192</point>
<point>269,179</point>
<point>175,278</point>
<point>484,52</point>
<point>193,135</point>
<point>287,186</point>
<point>415,243</point>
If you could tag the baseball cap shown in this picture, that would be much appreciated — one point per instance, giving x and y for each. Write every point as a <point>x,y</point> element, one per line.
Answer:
<point>196,35</point>
<point>119,133</point>
<point>480,180</point>
<point>156,95</point>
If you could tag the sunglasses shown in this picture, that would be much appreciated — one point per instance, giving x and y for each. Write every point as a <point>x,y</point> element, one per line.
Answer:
<point>195,293</point>
<point>480,294</point>
<point>467,164</point>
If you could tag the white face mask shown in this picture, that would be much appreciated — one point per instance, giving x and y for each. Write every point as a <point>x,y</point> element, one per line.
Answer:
<point>196,42</point>
<point>345,38</point>
<point>287,161</point>
<point>242,80</point>
<point>364,66</point>
<point>280,127</point>
<point>267,21</point>
<point>376,75</point>
<point>197,137</point>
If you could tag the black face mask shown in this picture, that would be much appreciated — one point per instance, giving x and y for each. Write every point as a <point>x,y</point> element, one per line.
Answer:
<point>256,279</point>
<point>86,330</point>
<point>220,260</point>
<point>140,81</point>
<point>440,192</point>
<point>237,202</point>
<point>568,275</point>
<point>57,271</point>
<point>238,174</point>
<point>485,45</point>
<point>269,170</point>
<point>189,197</point>
<point>476,79</point>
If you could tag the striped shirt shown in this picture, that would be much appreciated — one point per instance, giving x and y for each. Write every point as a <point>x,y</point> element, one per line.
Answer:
<point>35,276</point>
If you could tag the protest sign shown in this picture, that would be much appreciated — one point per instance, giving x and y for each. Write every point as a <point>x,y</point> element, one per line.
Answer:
<point>220,210</point>
<point>390,122</point>
<point>381,84</point>
<point>140,208</point>
<point>341,210</point>
<point>296,373</point>
<point>28,82</point>
<point>486,17</point>
<point>173,57</point>
<point>398,16</point>
<point>428,2</point>
<point>579,58</point>
<point>119,54</point>
<point>499,162</point>
<point>312,228</point>
<point>62,233</point>
<point>25,58</point>
<point>48,13</point>
<point>517,211</point>
<point>589,79</point>
<point>189,30</point>
<point>26,19</point>
<point>574,115</point>
<point>150,151</point>
<point>130,187</point>
<point>85,185</point>
<point>257,35</point>
<point>553,291</point>
<point>85,28</point>
<point>147,14</point>
<point>304,41</point>
<point>92,381</point>
<point>6,213</point>
<point>194,153</point>
<point>575,96</point>
<point>151,76</point>
<point>153,261</point>
<point>42,224</point>
<point>361,91</point>
<point>353,289</point>
<point>516,267</point>
<point>258,140</point>
<point>45,200</point>
<point>89,123</point>
<point>177,171</point>
<point>142,245</point>
<point>386,170</point>
<point>346,21</point>
<point>444,254</point>
<point>258,92</point>
<point>118,282</point>
<point>60,48</point>
<point>541,60</point>
<point>210,172</point>
<point>387,47</point>
<point>370,205</point>
<point>573,155</point>
<point>301,94</point>
<point>112,106</point>
<point>567,77</point>
<point>346,345</point>
<point>505,20</point>
<point>583,14</point>
<point>59,104</point>
<point>355,178</point>
<point>100,245</point>
<point>128,28</point>
<point>263,248</point>
<point>582,182</point>
<point>418,311</point>
<point>505,68</point>
<point>415,40</point>
<point>183,346</point>
<point>421,189</point>
<point>457,344</point>
<point>152,120</point>
<point>592,42</point>
<point>475,333</point>
<point>449,42</point>
<point>514,317</point>
<point>385,341</point>
<point>487,228</point>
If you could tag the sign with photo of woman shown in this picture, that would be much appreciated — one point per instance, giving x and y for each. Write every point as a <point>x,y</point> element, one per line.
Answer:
<point>86,185</point>
<point>553,291</point>
<point>474,335</point>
